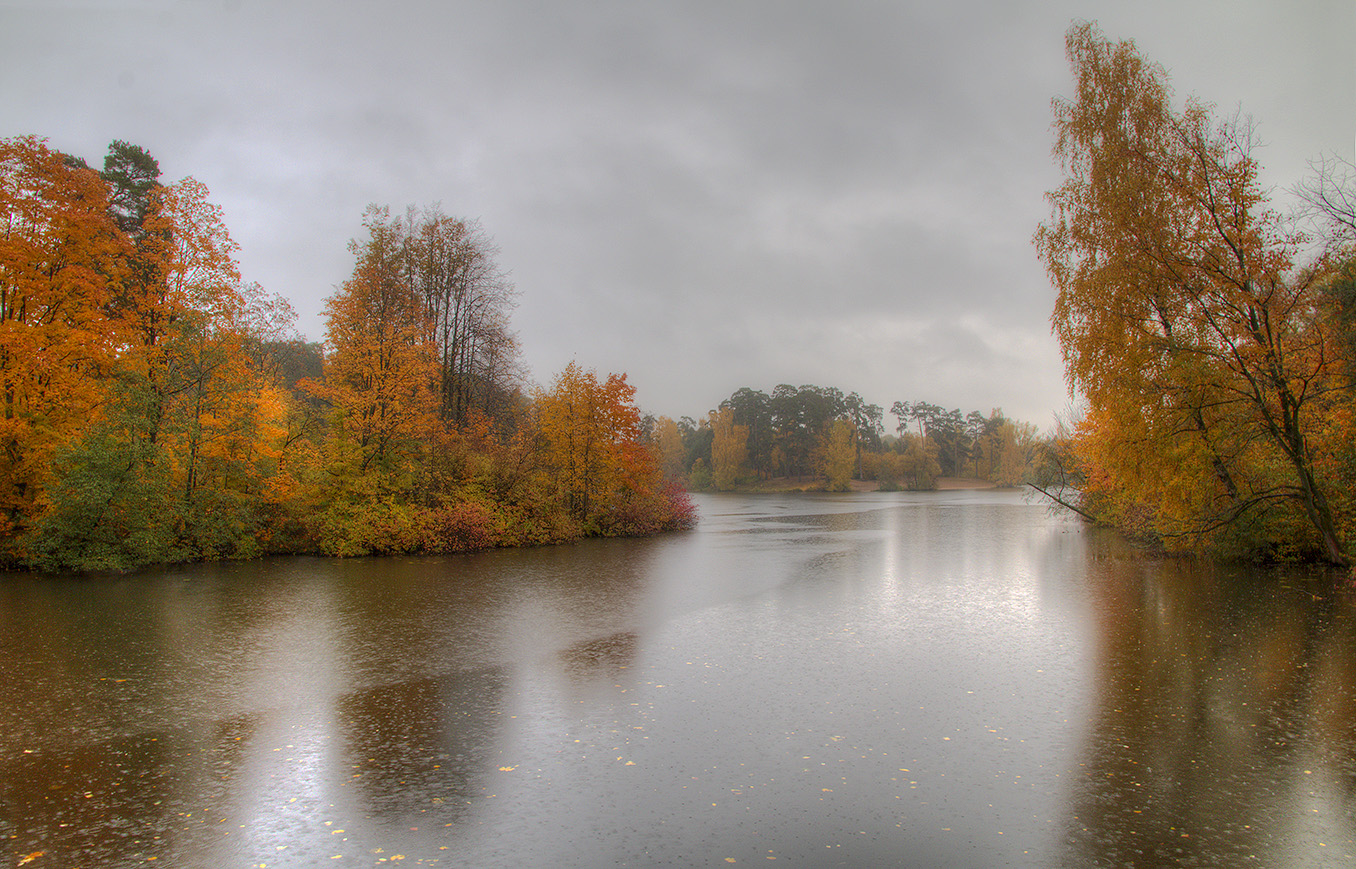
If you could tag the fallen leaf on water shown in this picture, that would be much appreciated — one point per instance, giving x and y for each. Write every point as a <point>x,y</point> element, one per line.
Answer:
<point>507,768</point>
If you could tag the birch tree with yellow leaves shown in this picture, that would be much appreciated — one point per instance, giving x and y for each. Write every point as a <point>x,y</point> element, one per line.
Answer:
<point>1186,320</point>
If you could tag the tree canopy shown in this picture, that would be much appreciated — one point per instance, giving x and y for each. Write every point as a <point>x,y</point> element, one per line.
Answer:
<point>1200,340</point>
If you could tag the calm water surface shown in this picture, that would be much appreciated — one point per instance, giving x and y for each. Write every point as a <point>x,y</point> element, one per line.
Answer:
<point>944,679</point>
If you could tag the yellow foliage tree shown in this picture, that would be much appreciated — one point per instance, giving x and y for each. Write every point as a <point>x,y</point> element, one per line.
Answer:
<point>919,467</point>
<point>591,448</point>
<point>672,452</point>
<point>840,456</point>
<point>1180,313</point>
<point>729,449</point>
<point>1015,445</point>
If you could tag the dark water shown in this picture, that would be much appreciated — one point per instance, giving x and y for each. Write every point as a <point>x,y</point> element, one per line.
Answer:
<point>953,679</point>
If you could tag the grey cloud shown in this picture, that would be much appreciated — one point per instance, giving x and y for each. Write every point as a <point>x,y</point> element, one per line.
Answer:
<point>707,195</point>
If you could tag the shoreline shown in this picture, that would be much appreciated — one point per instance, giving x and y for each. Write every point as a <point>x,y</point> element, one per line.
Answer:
<point>783,485</point>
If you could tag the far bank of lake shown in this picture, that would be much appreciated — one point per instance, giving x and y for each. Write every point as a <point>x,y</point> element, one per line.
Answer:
<point>787,485</point>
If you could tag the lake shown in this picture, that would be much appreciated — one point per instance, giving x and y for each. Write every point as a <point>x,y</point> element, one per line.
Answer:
<point>949,679</point>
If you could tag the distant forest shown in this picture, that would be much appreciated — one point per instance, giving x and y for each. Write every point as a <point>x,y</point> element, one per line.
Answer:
<point>822,438</point>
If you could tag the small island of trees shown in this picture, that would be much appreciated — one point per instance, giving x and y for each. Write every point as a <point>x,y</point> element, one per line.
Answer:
<point>154,407</point>
<point>158,408</point>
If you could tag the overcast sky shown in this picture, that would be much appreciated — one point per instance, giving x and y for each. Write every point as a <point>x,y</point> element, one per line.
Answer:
<point>705,195</point>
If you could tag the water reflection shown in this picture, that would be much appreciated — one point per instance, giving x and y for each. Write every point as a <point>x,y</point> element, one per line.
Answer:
<point>1224,724</point>
<point>600,660</point>
<point>421,746</point>
<point>955,679</point>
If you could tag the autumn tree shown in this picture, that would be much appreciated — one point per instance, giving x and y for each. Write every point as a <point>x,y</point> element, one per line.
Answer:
<point>918,466</point>
<point>58,247</point>
<point>669,445</point>
<point>591,448</point>
<point>1014,445</point>
<point>840,456</point>
<point>380,365</point>
<point>178,462</point>
<point>1181,313</point>
<point>205,370</point>
<point>729,449</point>
<point>138,426</point>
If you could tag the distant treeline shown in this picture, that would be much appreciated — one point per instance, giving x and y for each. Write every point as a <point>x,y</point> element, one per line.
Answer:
<point>154,407</point>
<point>820,434</point>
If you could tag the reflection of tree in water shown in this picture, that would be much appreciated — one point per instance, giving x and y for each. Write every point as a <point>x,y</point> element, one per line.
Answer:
<point>420,747</point>
<point>600,659</point>
<point>1226,727</point>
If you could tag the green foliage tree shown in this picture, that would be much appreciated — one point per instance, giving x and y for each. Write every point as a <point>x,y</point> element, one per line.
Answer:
<point>867,427</point>
<point>752,409</point>
<point>132,175</point>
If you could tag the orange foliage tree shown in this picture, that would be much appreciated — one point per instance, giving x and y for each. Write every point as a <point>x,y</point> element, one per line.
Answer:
<point>58,246</point>
<point>380,365</point>
<point>591,447</point>
<point>179,462</point>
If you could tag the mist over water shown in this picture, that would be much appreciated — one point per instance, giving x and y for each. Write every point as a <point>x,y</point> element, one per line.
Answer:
<point>936,679</point>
